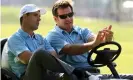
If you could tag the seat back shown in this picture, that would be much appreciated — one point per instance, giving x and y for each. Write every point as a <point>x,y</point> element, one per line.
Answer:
<point>4,61</point>
<point>6,73</point>
<point>3,41</point>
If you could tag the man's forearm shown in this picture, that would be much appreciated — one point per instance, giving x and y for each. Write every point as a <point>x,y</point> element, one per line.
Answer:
<point>25,57</point>
<point>77,49</point>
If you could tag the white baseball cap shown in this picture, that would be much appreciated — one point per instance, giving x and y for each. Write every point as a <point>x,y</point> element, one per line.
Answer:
<point>28,8</point>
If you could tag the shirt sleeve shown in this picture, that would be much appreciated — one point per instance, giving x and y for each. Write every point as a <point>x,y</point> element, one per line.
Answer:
<point>16,45</point>
<point>86,33</point>
<point>57,41</point>
<point>47,46</point>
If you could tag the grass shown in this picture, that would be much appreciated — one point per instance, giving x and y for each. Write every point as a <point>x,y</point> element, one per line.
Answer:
<point>123,33</point>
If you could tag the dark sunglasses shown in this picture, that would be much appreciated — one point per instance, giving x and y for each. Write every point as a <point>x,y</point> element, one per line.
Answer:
<point>64,16</point>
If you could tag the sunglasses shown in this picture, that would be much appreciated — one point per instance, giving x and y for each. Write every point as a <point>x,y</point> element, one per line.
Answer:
<point>64,16</point>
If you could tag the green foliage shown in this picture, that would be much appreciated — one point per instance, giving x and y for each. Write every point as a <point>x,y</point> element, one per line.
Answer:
<point>123,33</point>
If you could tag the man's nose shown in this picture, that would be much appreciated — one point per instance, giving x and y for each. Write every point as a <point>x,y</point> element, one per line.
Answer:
<point>39,19</point>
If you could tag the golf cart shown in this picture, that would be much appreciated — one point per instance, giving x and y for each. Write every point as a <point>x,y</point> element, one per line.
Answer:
<point>103,57</point>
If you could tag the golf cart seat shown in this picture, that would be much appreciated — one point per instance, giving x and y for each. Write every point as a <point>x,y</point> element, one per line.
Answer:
<point>6,73</point>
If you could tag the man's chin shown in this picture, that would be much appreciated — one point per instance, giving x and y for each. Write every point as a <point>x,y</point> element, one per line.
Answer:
<point>69,26</point>
<point>35,28</point>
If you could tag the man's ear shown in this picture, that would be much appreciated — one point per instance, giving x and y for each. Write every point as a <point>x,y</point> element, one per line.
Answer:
<point>55,18</point>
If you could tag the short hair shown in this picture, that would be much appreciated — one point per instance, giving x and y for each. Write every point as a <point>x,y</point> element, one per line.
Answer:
<point>21,18</point>
<point>60,4</point>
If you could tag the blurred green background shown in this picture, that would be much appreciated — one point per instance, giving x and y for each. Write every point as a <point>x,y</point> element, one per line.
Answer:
<point>123,33</point>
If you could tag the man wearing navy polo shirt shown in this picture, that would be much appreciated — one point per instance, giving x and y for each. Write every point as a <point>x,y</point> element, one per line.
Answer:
<point>71,42</point>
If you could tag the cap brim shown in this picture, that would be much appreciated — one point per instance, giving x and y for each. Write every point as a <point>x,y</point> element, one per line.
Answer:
<point>42,11</point>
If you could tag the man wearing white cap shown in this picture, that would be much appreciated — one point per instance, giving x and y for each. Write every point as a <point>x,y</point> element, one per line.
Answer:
<point>24,43</point>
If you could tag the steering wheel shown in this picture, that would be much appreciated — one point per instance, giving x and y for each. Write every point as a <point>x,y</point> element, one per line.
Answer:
<point>104,56</point>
